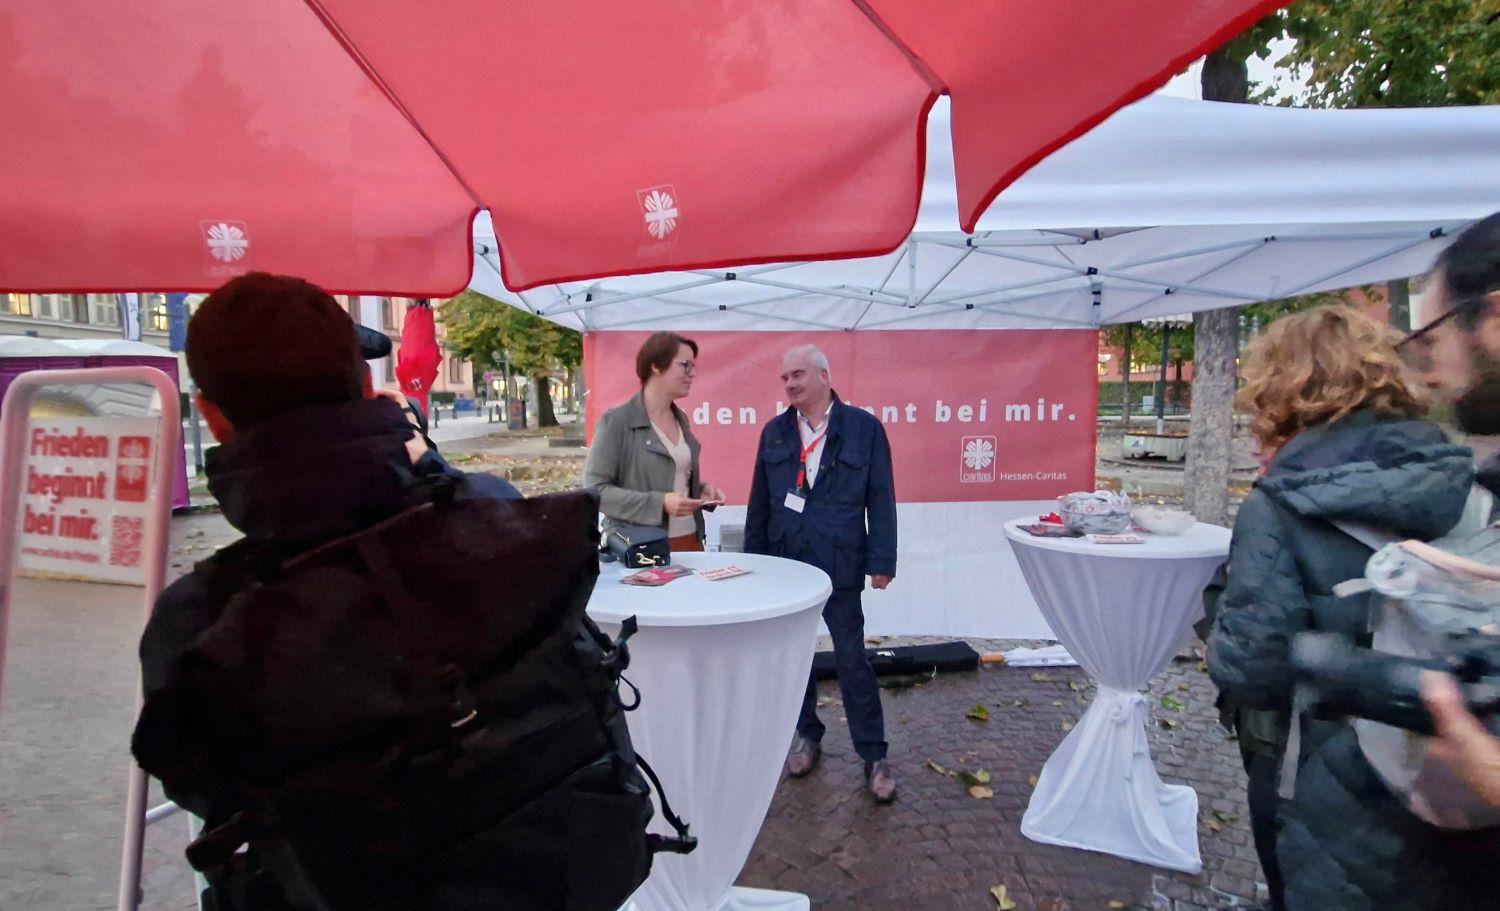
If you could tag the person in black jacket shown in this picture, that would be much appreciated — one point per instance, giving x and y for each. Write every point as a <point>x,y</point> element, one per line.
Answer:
<point>1334,407</point>
<point>305,457</point>
<point>822,472</point>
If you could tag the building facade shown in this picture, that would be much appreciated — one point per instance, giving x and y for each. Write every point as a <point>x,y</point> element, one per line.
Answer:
<point>80,316</point>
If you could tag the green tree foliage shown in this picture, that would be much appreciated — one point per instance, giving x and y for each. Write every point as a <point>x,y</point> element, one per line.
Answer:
<point>1393,53</point>
<point>486,332</point>
<point>1145,340</point>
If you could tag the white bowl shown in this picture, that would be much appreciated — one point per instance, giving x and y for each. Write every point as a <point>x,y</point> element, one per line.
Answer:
<point>1164,520</point>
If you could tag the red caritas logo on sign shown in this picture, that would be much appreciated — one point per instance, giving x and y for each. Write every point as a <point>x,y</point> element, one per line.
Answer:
<point>88,481</point>
<point>133,470</point>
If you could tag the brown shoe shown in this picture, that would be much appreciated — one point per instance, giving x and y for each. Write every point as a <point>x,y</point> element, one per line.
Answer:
<point>804,757</point>
<point>882,782</point>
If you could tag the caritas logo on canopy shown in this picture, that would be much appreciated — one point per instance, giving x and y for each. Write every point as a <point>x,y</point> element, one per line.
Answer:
<point>971,415</point>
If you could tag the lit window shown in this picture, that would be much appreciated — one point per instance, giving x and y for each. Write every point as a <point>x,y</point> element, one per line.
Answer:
<point>455,369</point>
<point>154,312</point>
<point>17,304</point>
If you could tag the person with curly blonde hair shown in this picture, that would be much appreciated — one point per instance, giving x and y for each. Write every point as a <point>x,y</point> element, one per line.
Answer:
<point>1319,366</point>
<point>1337,417</point>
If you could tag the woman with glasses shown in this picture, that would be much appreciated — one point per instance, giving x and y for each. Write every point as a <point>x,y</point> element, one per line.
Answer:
<point>643,461</point>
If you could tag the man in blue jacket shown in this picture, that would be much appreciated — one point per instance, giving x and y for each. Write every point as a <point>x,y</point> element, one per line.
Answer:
<point>823,494</point>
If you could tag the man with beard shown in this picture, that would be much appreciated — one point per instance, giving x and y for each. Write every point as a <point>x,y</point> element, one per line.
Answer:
<point>1459,347</point>
<point>1458,351</point>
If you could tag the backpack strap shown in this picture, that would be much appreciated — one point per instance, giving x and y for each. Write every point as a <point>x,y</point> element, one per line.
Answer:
<point>1475,518</point>
<point>683,843</point>
<point>1370,536</point>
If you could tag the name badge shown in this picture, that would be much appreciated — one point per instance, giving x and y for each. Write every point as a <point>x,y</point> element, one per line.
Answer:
<point>794,502</point>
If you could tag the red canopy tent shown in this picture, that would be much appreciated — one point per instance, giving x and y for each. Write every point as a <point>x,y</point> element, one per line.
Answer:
<point>352,141</point>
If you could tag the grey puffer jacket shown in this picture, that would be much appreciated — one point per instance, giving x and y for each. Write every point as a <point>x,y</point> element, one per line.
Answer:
<point>1345,843</point>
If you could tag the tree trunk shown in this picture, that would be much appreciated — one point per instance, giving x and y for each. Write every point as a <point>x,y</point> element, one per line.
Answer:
<point>1225,76</point>
<point>1211,430</point>
<point>1215,347</point>
<point>545,417</point>
<point>1125,386</point>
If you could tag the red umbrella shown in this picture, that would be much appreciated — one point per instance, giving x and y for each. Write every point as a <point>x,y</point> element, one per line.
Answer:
<point>174,143</point>
<point>418,358</point>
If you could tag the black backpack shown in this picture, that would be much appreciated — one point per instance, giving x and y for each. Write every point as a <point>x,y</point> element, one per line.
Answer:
<point>416,717</point>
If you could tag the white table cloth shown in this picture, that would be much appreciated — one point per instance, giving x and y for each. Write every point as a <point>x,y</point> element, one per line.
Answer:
<point>1121,610</point>
<point>722,667</point>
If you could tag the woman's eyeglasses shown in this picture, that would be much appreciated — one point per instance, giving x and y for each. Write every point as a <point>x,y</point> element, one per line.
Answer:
<point>688,367</point>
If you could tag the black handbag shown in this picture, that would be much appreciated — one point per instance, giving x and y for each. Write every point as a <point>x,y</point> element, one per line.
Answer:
<point>638,546</point>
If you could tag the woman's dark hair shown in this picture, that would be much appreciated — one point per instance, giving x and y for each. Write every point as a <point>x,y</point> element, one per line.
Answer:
<point>1470,268</point>
<point>659,351</point>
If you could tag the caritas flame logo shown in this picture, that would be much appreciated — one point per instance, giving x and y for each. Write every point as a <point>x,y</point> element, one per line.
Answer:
<point>659,208</point>
<point>977,460</point>
<point>133,470</point>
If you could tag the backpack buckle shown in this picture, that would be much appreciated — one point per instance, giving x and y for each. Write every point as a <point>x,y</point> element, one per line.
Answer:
<point>663,844</point>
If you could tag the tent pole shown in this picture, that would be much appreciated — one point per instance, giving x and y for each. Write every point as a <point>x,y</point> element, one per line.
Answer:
<point>911,273</point>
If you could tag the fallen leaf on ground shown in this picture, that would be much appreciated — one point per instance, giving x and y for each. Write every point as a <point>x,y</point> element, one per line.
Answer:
<point>1067,725</point>
<point>980,792</point>
<point>1224,816</point>
<point>1116,905</point>
<point>978,713</point>
<point>1040,677</point>
<point>1074,685</point>
<point>1002,899</point>
<point>975,778</point>
<point>1213,824</point>
<point>1057,702</point>
<point>939,769</point>
<point>1172,703</point>
<point>1167,723</point>
<point>1033,780</point>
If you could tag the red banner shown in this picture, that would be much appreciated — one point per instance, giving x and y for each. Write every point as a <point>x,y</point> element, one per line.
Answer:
<point>971,415</point>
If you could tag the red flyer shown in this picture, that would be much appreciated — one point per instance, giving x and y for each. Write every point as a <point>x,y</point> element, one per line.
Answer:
<point>657,575</point>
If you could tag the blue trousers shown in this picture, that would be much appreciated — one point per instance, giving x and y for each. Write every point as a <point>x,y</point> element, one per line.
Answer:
<point>845,617</point>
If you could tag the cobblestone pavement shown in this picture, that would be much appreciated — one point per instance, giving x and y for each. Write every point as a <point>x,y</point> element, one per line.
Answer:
<point>67,716</point>
<point>939,848</point>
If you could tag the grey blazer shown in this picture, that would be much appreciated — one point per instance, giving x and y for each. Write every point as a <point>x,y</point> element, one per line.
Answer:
<point>632,471</point>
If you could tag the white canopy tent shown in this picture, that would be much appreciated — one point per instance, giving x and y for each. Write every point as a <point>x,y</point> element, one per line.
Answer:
<point>1170,206</point>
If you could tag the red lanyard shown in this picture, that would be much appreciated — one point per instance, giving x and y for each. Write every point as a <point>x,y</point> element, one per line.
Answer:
<point>807,451</point>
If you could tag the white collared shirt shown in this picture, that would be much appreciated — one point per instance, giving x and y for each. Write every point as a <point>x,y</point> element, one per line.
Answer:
<point>808,434</point>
